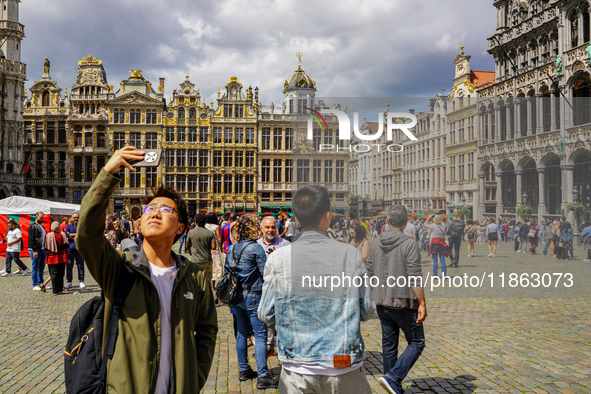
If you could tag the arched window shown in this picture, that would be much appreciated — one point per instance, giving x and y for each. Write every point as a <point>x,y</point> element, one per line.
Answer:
<point>192,113</point>
<point>135,116</point>
<point>581,93</point>
<point>181,114</point>
<point>45,99</point>
<point>574,28</point>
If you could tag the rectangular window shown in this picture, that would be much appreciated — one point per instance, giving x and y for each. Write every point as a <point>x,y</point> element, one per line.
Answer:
<point>181,183</point>
<point>61,165</point>
<point>340,171</point>
<point>118,140</point>
<point>100,140</point>
<point>266,138</point>
<point>217,135</point>
<point>135,116</point>
<point>265,170</point>
<point>238,184</point>
<point>39,132</point>
<point>249,156</point>
<point>118,115</point>
<point>249,184</point>
<point>239,108</point>
<point>227,110</point>
<point>151,176</point>
<point>151,140</point>
<point>277,136</point>
<point>88,169</point>
<point>100,163</point>
<point>77,168</point>
<point>239,159</point>
<point>239,135</point>
<point>249,136</point>
<point>217,183</point>
<point>288,170</point>
<point>228,158</point>
<point>50,160</point>
<point>228,135</point>
<point>181,157</point>
<point>180,134</point>
<point>203,183</point>
<point>316,171</point>
<point>328,171</point>
<point>50,132</point>
<point>203,134</point>
<point>302,104</point>
<point>328,137</point>
<point>169,134</point>
<point>28,132</point>
<point>135,179</point>
<point>288,139</point>
<point>169,158</point>
<point>203,158</point>
<point>192,180</point>
<point>192,160</point>
<point>303,170</point>
<point>135,139</point>
<point>217,158</point>
<point>316,138</point>
<point>277,170</point>
<point>88,139</point>
<point>227,183</point>
<point>151,116</point>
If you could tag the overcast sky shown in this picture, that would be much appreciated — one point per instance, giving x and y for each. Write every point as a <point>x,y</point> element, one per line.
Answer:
<point>367,48</point>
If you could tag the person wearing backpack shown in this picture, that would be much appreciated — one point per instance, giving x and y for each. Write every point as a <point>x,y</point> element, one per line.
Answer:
<point>167,324</point>
<point>455,230</point>
<point>470,236</point>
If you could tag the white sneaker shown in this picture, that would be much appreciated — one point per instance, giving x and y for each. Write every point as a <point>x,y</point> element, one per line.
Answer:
<point>26,272</point>
<point>68,285</point>
<point>82,285</point>
<point>3,271</point>
<point>5,274</point>
<point>493,256</point>
<point>587,260</point>
<point>472,254</point>
<point>490,255</point>
<point>19,271</point>
<point>518,251</point>
<point>469,255</point>
<point>37,288</point>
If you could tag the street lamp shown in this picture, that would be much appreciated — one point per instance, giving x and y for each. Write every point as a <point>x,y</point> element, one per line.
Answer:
<point>575,195</point>
<point>450,206</point>
<point>576,216</point>
<point>524,198</point>
<point>463,201</point>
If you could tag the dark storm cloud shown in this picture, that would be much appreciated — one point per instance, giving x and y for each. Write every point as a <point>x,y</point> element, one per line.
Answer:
<point>351,48</point>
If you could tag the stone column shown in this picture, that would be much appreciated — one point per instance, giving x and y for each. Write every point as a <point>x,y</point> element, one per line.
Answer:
<point>529,116</point>
<point>518,188</point>
<point>509,133</point>
<point>541,193</point>
<point>490,115</point>
<point>498,125</point>
<point>481,193</point>
<point>567,185</point>
<point>517,117</point>
<point>552,113</point>
<point>539,114</point>
<point>499,176</point>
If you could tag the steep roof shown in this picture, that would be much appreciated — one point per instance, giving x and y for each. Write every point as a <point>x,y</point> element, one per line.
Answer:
<point>484,78</point>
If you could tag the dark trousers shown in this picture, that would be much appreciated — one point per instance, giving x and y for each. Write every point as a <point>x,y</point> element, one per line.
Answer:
<point>588,254</point>
<point>74,255</point>
<point>10,256</point>
<point>56,272</point>
<point>454,244</point>
<point>516,244</point>
<point>394,320</point>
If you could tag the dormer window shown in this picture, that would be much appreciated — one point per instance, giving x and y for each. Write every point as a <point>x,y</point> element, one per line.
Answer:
<point>45,99</point>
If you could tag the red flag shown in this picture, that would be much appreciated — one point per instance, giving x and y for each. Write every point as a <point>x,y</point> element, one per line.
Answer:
<point>27,166</point>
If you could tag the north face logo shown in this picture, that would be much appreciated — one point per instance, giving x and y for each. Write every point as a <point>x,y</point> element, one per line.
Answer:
<point>188,295</point>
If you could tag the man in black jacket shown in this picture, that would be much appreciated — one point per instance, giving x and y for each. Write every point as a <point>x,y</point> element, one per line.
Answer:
<point>455,230</point>
<point>37,250</point>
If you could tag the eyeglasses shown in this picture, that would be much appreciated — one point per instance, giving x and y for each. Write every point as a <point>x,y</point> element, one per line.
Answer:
<point>165,210</point>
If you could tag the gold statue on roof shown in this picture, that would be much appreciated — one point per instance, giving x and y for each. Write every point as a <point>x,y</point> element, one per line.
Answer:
<point>135,74</point>
<point>299,55</point>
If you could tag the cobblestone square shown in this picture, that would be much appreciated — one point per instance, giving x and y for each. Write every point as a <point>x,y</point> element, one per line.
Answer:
<point>474,344</point>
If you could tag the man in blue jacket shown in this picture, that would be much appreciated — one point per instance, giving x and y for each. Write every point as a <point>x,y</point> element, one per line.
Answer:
<point>315,291</point>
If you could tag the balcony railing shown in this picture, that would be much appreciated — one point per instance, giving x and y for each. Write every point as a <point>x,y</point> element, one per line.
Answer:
<point>88,97</point>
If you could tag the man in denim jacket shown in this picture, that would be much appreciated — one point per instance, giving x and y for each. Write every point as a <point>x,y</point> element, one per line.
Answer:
<point>317,293</point>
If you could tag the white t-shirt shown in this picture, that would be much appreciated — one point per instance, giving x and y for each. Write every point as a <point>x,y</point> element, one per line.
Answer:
<point>409,229</point>
<point>290,225</point>
<point>12,236</point>
<point>318,370</point>
<point>163,279</point>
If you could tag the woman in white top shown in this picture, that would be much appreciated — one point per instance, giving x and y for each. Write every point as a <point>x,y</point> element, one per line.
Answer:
<point>439,248</point>
<point>358,239</point>
<point>493,234</point>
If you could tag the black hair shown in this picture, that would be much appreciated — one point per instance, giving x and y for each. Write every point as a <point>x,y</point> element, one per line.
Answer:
<point>181,207</point>
<point>200,219</point>
<point>212,218</point>
<point>309,204</point>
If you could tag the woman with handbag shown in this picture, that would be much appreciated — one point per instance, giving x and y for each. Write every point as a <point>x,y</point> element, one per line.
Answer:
<point>439,248</point>
<point>470,236</point>
<point>56,248</point>
<point>533,237</point>
<point>493,234</point>
<point>248,258</point>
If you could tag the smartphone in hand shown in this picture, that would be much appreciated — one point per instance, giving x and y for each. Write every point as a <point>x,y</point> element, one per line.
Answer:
<point>151,158</point>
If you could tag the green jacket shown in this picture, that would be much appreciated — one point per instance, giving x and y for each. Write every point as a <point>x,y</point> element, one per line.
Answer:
<point>134,367</point>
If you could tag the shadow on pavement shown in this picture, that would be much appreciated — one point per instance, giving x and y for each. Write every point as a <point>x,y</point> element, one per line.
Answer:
<point>461,383</point>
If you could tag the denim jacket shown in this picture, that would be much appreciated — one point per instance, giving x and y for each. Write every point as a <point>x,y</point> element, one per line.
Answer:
<point>251,265</point>
<point>567,235</point>
<point>313,327</point>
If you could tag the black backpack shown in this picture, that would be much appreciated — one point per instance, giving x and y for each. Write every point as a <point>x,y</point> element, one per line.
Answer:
<point>229,290</point>
<point>84,366</point>
<point>456,228</point>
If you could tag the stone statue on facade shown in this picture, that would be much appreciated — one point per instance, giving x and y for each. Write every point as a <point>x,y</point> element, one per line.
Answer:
<point>558,64</point>
<point>102,112</point>
<point>272,107</point>
<point>283,107</point>
<point>561,145</point>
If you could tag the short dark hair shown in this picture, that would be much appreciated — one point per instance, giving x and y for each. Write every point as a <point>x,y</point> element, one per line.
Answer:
<point>397,215</point>
<point>212,218</point>
<point>200,219</point>
<point>169,192</point>
<point>309,204</point>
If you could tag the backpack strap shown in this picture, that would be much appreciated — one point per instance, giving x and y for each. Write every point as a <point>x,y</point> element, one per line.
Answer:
<point>124,284</point>
<point>239,257</point>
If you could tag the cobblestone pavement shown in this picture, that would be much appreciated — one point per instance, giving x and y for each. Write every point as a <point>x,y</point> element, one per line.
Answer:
<point>474,344</point>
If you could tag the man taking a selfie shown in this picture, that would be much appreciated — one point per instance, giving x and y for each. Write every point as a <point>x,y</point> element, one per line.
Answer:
<point>168,323</point>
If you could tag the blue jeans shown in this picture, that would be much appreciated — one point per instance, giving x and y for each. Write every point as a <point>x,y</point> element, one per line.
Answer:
<point>14,256</point>
<point>37,267</point>
<point>183,241</point>
<point>393,320</point>
<point>441,260</point>
<point>246,316</point>
<point>547,245</point>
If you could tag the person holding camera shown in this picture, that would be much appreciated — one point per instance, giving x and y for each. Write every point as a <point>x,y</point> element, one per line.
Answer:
<point>168,323</point>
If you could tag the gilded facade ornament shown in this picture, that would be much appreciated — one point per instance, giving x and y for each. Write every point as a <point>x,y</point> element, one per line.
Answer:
<point>135,74</point>
<point>122,87</point>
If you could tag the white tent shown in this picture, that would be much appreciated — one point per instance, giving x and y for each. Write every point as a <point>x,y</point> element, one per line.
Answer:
<point>17,205</point>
